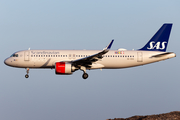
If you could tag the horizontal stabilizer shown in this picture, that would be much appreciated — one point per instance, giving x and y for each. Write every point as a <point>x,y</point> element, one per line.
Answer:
<point>163,55</point>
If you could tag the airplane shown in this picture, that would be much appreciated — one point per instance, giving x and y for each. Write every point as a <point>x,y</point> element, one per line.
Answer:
<point>65,62</point>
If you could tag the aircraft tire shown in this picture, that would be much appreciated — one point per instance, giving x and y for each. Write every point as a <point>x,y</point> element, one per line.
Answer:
<point>85,76</point>
<point>26,76</point>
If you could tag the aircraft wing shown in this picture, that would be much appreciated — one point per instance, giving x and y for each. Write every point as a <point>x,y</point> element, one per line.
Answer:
<point>87,61</point>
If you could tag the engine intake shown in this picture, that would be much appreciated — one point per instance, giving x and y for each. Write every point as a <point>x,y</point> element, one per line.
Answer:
<point>63,68</point>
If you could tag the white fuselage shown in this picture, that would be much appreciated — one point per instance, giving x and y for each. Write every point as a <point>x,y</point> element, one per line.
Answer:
<point>114,59</point>
<point>68,61</point>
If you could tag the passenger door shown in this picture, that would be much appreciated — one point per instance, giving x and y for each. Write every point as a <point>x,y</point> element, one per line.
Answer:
<point>139,57</point>
<point>26,56</point>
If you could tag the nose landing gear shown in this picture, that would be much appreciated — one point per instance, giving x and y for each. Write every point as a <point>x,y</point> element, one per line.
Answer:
<point>27,71</point>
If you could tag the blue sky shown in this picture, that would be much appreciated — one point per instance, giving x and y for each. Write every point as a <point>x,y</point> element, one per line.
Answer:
<point>54,24</point>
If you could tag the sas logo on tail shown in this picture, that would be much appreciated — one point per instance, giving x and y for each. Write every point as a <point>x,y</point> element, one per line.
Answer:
<point>157,45</point>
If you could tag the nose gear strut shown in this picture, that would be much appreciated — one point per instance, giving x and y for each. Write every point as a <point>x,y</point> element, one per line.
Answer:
<point>27,71</point>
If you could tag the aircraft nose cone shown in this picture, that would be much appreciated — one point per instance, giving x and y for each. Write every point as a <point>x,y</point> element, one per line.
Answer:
<point>6,61</point>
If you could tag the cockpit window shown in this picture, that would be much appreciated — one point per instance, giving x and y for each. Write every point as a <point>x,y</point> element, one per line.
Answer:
<point>14,55</point>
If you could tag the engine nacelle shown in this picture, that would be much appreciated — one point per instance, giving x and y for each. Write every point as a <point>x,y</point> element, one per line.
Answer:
<point>63,68</point>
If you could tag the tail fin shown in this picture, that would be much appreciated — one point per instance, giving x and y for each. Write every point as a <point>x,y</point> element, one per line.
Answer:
<point>160,40</point>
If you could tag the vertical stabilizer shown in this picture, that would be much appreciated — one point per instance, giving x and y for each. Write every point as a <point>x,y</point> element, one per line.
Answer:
<point>160,40</point>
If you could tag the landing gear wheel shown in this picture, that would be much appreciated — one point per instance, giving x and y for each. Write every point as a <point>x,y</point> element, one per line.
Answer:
<point>85,76</point>
<point>26,76</point>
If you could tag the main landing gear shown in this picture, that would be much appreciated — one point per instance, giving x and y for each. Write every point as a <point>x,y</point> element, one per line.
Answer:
<point>85,75</point>
<point>27,71</point>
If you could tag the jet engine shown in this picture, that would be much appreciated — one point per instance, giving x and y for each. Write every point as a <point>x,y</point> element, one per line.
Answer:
<point>63,68</point>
